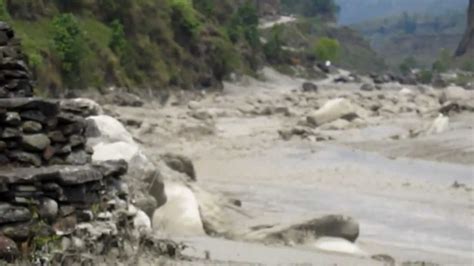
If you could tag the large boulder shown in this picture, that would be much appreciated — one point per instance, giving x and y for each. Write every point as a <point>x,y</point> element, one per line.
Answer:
<point>106,129</point>
<point>111,141</point>
<point>180,164</point>
<point>332,110</point>
<point>328,226</point>
<point>81,106</point>
<point>439,125</point>
<point>180,215</point>
<point>455,94</point>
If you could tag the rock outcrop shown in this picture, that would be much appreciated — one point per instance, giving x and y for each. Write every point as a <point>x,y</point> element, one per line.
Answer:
<point>467,44</point>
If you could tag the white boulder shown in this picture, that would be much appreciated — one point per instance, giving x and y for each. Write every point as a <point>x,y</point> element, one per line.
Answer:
<point>439,125</point>
<point>455,94</point>
<point>106,129</point>
<point>180,215</point>
<point>338,245</point>
<point>330,111</point>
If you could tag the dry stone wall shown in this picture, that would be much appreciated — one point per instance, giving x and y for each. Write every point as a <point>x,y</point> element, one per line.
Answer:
<point>15,78</point>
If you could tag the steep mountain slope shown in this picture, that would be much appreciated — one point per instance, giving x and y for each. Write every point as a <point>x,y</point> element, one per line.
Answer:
<point>422,37</point>
<point>466,46</point>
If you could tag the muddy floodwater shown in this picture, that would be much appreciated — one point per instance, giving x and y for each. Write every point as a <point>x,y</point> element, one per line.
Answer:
<point>409,189</point>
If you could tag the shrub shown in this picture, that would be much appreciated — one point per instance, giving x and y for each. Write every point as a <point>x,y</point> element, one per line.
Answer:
<point>185,17</point>
<point>408,64</point>
<point>224,59</point>
<point>117,41</point>
<point>443,63</point>
<point>425,76</point>
<point>70,45</point>
<point>327,49</point>
<point>468,66</point>
<point>244,23</point>
<point>311,8</point>
<point>273,49</point>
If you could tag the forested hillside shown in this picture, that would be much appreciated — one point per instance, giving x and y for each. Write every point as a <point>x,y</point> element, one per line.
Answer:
<point>134,43</point>
<point>149,45</point>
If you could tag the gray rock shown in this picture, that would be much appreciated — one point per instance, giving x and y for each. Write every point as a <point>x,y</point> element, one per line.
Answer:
<point>81,106</point>
<point>3,146</point>
<point>47,107</point>
<point>48,209</point>
<point>12,119</point>
<point>31,127</point>
<point>113,168</point>
<point>309,87</point>
<point>35,142</point>
<point>367,87</point>
<point>123,99</point>
<point>14,214</point>
<point>327,226</point>
<point>25,158</point>
<point>34,115</point>
<point>77,140</point>
<point>19,232</point>
<point>79,157</point>
<point>180,164</point>
<point>9,133</point>
<point>65,175</point>
<point>8,249</point>
<point>57,136</point>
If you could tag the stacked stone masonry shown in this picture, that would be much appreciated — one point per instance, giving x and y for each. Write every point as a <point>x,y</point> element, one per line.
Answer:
<point>35,132</point>
<point>15,78</point>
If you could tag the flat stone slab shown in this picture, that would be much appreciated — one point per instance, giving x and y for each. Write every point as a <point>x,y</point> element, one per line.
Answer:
<point>65,175</point>
<point>48,107</point>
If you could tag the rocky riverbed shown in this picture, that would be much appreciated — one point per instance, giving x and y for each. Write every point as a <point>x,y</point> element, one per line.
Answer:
<point>275,154</point>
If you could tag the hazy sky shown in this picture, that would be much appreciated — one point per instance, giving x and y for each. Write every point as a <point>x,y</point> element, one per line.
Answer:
<point>353,11</point>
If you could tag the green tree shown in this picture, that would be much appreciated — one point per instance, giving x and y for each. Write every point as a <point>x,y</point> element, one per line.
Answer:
<point>117,42</point>
<point>244,23</point>
<point>273,49</point>
<point>408,64</point>
<point>184,17</point>
<point>69,43</point>
<point>327,49</point>
<point>443,62</point>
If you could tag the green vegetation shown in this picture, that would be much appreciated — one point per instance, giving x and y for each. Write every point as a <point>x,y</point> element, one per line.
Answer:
<point>134,43</point>
<point>443,62</point>
<point>425,76</point>
<point>311,8</point>
<point>69,43</point>
<point>273,49</point>
<point>327,49</point>
<point>408,65</point>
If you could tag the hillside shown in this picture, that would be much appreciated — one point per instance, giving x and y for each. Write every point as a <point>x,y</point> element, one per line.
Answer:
<point>466,46</point>
<point>134,43</point>
<point>422,37</point>
<point>150,45</point>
